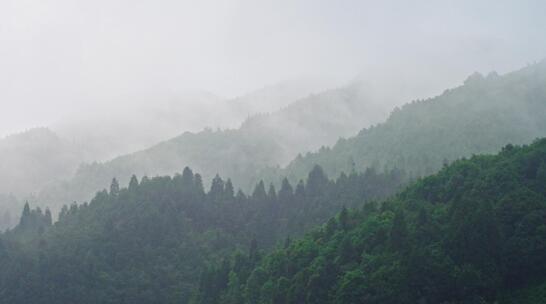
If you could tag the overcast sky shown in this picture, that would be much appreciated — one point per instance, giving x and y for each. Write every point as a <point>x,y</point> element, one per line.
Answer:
<point>70,57</point>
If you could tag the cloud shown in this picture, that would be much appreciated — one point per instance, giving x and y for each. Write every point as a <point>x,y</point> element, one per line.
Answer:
<point>60,58</point>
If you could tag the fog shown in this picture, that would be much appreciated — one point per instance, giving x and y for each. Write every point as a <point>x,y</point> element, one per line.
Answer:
<point>61,59</point>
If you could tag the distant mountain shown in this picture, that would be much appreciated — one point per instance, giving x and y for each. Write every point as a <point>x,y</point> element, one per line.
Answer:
<point>31,160</point>
<point>109,133</point>
<point>262,140</point>
<point>34,158</point>
<point>28,162</point>
<point>478,117</point>
<point>271,98</point>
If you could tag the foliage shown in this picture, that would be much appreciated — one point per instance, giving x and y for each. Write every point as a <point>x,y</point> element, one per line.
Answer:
<point>478,117</point>
<point>473,233</point>
<point>148,243</point>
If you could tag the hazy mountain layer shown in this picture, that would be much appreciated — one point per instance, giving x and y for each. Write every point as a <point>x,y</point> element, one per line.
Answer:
<point>262,140</point>
<point>31,160</point>
<point>478,117</point>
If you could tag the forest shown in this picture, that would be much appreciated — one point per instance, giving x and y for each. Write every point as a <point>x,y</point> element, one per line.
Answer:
<point>161,232</point>
<point>272,152</point>
<point>439,228</point>
<point>473,233</point>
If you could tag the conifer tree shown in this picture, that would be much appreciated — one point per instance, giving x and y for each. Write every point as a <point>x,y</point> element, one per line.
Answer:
<point>228,190</point>
<point>216,189</point>
<point>48,218</point>
<point>259,193</point>
<point>114,187</point>
<point>133,183</point>
<point>25,217</point>
<point>286,192</point>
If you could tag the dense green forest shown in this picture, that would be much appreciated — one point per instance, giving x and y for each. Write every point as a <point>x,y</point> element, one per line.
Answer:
<point>149,242</point>
<point>473,233</point>
<point>331,227</point>
<point>480,116</point>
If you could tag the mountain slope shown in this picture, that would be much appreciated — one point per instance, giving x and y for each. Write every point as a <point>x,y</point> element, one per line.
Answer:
<point>473,233</point>
<point>149,242</point>
<point>26,158</point>
<point>262,140</point>
<point>480,116</point>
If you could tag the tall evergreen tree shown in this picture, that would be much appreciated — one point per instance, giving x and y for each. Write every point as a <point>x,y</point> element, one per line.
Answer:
<point>48,217</point>
<point>114,187</point>
<point>228,190</point>
<point>133,183</point>
<point>259,193</point>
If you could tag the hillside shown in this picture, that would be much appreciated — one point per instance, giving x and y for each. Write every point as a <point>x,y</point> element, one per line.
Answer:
<point>480,116</point>
<point>262,140</point>
<point>115,131</point>
<point>29,156</point>
<point>149,242</point>
<point>473,233</point>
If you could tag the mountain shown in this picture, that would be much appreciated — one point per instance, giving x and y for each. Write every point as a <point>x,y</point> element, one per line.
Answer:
<point>107,133</point>
<point>45,158</point>
<point>473,233</point>
<point>148,243</point>
<point>271,98</point>
<point>480,116</point>
<point>119,130</point>
<point>28,160</point>
<point>29,156</point>
<point>262,140</point>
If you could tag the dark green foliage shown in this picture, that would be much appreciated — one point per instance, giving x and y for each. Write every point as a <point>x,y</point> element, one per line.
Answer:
<point>473,233</point>
<point>157,240</point>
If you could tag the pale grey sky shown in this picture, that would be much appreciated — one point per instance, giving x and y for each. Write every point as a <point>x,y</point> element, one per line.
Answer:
<point>72,57</point>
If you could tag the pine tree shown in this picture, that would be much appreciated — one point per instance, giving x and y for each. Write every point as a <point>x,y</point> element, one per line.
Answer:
<point>216,189</point>
<point>286,192</point>
<point>133,183</point>
<point>114,187</point>
<point>187,178</point>
<point>228,190</point>
<point>316,181</point>
<point>48,218</point>
<point>198,184</point>
<point>259,193</point>
<point>300,190</point>
<point>25,217</point>
<point>272,194</point>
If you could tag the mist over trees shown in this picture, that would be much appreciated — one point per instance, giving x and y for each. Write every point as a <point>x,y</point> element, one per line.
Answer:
<point>269,139</point>
<point>481,116</point>
<point>45,158</point>
<point>471,233</point>
<point>272,152</point>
